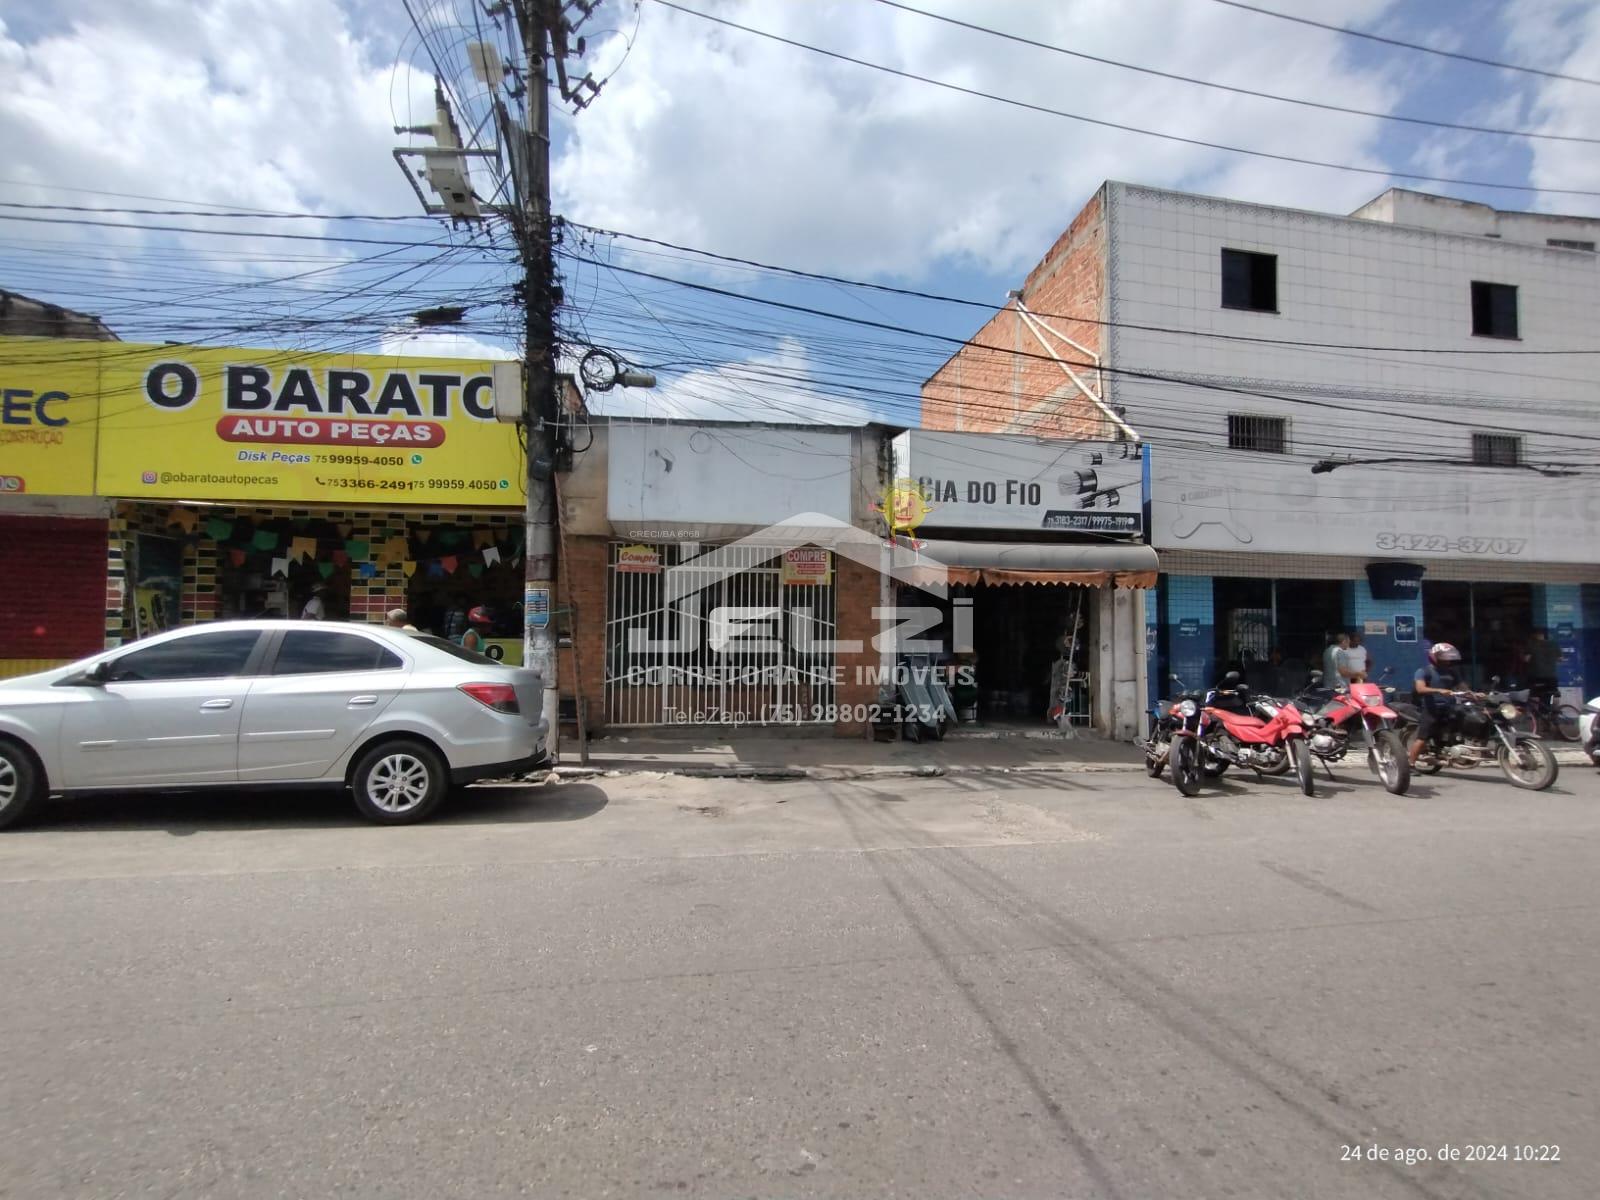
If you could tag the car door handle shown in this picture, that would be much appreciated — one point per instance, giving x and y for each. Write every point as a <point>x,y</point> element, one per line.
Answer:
<point>362,701</point>
<point>216,705</point>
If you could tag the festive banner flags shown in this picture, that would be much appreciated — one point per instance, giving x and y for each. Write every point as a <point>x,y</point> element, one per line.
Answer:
<point>302,547</point>
<point>491,555</point>
<point>218,530</point>
<point>265,539</point>
<point>409,567</point>
<point>360,551</point>
<point>449,537</point>
<point>483,537</point>
<point>394,547</point>
<point>449,563</point>
<point>475,570</point>
<point>344,528</point>
<point>341,559</point>
<point>422,534</point>
<point>185,518</point>
<point>237,557</point>
<point>280,566</point>
<point>326,569</point>
<point>369,570</point>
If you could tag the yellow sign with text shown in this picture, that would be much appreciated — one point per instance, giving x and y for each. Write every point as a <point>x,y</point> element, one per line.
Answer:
<point>49,402</point>
<point>184,422</point>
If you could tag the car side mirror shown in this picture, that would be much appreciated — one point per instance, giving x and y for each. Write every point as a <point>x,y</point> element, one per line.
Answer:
<point>96,676</point>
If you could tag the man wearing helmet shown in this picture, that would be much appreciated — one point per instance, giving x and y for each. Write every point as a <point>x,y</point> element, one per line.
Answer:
<point>1434,686</point>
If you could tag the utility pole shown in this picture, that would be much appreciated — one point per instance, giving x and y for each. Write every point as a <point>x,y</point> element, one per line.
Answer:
<point>539,21</point>
<point>545,31</point>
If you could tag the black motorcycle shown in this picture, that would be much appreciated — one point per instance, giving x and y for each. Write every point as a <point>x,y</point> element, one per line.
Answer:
<point>1481,729</point>
<point>1174,738</point>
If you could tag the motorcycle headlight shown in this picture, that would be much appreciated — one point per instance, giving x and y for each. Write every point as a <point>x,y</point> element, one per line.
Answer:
<point>1510,712</point>
<point>1186,708</point>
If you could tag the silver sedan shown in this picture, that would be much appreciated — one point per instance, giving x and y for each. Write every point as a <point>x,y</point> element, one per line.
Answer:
<point>396,717</point>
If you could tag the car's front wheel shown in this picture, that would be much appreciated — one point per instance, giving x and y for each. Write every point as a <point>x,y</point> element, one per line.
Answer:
<point>20,782</point>
<point>399,782</point>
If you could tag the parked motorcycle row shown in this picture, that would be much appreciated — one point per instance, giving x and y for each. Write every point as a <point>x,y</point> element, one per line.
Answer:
<point>1201,735</point>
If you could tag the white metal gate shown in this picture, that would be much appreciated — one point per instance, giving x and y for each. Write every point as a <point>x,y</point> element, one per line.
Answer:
<point>741,648</point>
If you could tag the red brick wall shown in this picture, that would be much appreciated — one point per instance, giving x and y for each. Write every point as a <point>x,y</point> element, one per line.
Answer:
<point>52,587</point>
<point>856,588</point>
<point>581,586</point>
<point>987,384</point>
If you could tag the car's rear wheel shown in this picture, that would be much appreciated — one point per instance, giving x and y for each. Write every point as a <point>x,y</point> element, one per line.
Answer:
<point>399,782</point>
<point>20,783</point>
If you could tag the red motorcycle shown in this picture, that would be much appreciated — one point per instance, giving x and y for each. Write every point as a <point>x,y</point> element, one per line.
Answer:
<point>1247,732</point>
<point>1364,707</point>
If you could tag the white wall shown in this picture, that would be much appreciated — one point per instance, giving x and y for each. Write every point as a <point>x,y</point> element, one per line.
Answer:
<point>1345,280</point>
<point>1401,206</point>
<point>726,478</point>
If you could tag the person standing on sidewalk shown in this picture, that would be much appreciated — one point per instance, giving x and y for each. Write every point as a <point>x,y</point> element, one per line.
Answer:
<point>1334,662</point>
<point>1355,661</point>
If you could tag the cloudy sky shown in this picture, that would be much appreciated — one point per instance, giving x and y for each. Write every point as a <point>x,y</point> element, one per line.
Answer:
<point>711,137</point>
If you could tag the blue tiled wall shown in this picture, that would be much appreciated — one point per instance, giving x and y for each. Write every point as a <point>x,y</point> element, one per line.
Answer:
<point>1383,650</point>
<point>1191,631</point>
<point>1591,639</point>
<point>1559,608</point>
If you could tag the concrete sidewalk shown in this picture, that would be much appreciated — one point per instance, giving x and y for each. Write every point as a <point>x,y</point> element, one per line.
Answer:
<point>709,752</point>
<point>746,753</point>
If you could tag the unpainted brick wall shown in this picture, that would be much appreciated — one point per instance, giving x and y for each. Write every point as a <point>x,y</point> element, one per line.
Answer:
<point>581,588</point>
<point>1004,370</point>
<point>856,592</point>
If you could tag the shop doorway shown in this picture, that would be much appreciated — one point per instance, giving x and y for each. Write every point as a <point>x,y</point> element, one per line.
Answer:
<point>1034,646</point>
<point>1490,623</point>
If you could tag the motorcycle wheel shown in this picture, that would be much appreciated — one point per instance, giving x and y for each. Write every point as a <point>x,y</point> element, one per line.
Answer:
<point>1154,762</point>
<point>1301,754</point>
<point>1566,722</point>
<point>1528,764</point>
<point>1186,771</point>
<point>1393,767</point>
<point>1215,768</point>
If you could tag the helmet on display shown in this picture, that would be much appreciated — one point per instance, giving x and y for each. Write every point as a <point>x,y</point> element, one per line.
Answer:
<point>1443,652</point>
<point>479,615</point>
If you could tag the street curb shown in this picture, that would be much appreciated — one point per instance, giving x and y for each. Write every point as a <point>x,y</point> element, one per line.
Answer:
<point>778,772</point>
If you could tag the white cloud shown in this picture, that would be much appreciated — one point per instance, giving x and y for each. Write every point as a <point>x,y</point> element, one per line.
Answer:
<point>264,103</point>
<point>438,343</point>
<point>768,387</point>
<point>712,137</point>
<point>1560,106</point>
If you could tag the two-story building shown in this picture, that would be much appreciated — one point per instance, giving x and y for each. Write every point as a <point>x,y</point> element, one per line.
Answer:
<point>1373,422</point>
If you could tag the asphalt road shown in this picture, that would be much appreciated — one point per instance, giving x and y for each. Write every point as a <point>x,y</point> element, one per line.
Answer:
<point>1068,986</point>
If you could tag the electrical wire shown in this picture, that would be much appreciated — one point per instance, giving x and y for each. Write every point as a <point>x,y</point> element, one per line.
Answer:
<point>1119,126</point>
<point>988,306</point>
<point>1241,91</point>
<point>1389,41</point>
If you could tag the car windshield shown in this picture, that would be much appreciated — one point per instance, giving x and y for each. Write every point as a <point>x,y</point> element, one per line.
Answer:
<point>461,652</point>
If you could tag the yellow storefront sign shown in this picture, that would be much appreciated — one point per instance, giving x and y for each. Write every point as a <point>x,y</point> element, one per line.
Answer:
<point>180,422</point>
<point>49,401</point>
